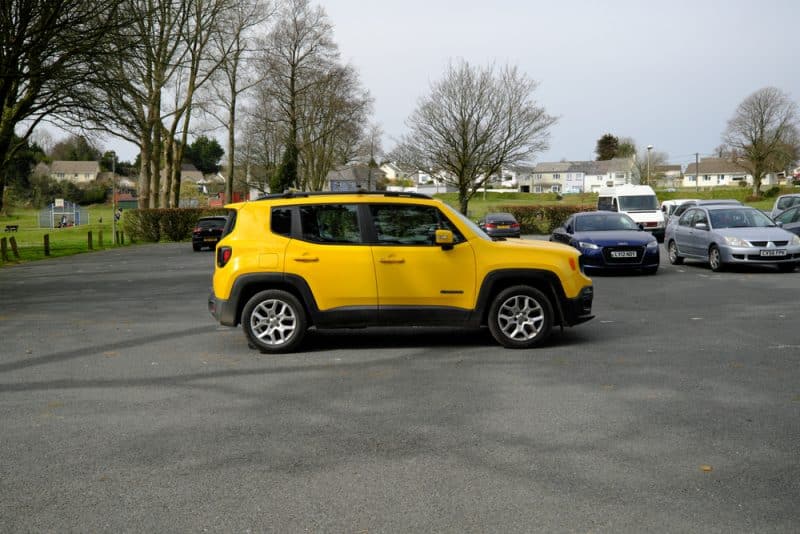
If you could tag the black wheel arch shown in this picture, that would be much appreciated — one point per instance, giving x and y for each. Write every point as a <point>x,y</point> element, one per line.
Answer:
<point>249,284</point>
<point>545,281</point>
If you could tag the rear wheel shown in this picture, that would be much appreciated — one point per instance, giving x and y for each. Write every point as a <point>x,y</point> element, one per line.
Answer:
<point>715,259</point>
<point>274,321</point>
<point>672,250</point>
<point>520,317</point>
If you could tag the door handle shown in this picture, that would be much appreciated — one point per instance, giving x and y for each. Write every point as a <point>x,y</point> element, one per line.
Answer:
<point>392,259</point>
<point>307,259</point>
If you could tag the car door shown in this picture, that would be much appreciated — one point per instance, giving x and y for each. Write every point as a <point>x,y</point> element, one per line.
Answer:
<point>331,256</point>
<point>682,234</point>
<point>699,237</point>
<point>413,274</point>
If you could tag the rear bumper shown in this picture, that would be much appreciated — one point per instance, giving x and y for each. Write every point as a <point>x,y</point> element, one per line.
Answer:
<point>221,310</point>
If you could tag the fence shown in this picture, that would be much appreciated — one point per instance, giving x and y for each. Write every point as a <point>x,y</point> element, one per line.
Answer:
<point>30,248</point>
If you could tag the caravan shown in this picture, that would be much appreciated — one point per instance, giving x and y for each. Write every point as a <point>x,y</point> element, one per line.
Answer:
<point>637,201</point>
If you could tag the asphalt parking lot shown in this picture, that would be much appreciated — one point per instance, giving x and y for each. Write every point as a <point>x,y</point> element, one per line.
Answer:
<point>126,408</point>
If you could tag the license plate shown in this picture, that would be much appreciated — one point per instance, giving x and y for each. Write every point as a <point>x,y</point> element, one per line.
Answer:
<point>623,253</point>
<point>210,240</point>
<point>503,226</point>
<point>772,253</point>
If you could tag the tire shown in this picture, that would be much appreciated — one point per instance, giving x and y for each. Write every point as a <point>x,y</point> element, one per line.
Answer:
<point>715,259</point>
<point>520,317</point>
<point>787,267</point>
<point>274,321</point>
<point>672,252</point>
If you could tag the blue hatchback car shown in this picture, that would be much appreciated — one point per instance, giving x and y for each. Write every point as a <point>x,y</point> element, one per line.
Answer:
<point>609,241</point>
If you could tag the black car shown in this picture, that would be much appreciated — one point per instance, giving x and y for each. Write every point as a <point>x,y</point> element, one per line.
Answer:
<point>499,225</point>
<point>208,231</point>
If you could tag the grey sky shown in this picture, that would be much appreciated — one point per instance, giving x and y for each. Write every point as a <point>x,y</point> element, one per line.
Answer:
<point>668,74</point>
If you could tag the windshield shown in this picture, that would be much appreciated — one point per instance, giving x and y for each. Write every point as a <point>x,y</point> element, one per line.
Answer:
<point>739,218</point>
<point>638,203</point>
<point>604,222</point>
<point>472,226</point>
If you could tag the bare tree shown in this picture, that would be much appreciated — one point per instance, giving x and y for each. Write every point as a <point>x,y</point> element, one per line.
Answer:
<point>236,45</point>
<point>299,43</point>
<point>330,124</point>
<point>474,122</point>
<point>764,133</point>
<point>647,163</point>
<point>52,57</point>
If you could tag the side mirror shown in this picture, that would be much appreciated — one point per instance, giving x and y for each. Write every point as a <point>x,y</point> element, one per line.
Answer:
<point>779,224</point>
<point>640,226</point>
<point>445,239</point>
<point>701,226</point>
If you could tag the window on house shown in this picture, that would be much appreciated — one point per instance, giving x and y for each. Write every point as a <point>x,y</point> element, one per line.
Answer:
<point>555,188</point>
<point>556,177</point>
<point>706,178</point>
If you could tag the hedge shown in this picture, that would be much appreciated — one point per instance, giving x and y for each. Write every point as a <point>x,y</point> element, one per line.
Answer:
<point>173,224</point>
<point>543,218</point>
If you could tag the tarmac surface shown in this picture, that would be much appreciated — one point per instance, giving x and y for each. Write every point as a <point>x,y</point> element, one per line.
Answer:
<point>125,408</point>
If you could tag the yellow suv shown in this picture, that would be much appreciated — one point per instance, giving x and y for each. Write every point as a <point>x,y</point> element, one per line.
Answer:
<point>293,261</point>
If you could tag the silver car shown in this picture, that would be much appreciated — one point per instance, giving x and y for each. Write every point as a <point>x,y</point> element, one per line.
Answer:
<point>725,235</point>
<point>783,203</point>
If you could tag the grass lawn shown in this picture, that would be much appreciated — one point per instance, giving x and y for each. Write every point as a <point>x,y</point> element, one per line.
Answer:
<point>63,241</point>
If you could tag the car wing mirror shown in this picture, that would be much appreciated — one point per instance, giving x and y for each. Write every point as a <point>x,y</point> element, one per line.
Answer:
<point>779,224</point>
<point>640,226</point>
<point>445,239</point>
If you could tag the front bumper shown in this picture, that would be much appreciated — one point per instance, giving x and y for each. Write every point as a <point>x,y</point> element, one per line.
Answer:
<point>600,259</point>
<point>753,255</point>
<point>579,309</point>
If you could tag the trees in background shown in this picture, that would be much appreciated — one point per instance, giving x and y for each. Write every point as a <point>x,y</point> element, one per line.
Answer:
<point>53,65</point>
<point>205,154</point>
<point>475,121</point>
<point>764,133</point>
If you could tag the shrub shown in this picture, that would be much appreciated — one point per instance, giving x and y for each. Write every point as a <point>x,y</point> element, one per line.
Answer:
<point>543,218</point>
<point>174,224</point>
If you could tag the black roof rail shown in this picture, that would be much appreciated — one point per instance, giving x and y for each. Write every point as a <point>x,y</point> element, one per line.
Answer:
<point>306,194</point>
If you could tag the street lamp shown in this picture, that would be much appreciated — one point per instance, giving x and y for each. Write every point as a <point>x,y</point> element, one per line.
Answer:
<point>649,148</point>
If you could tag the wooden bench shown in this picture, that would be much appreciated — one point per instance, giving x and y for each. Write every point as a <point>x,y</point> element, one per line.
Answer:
<point>11,228</point>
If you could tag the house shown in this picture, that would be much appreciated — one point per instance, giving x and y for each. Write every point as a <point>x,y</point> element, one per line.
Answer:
<point>78,172</point>
<point>716,172</point>
<point>393,171</point>
<point>667,176</point>
<point>578,176</point>
<point>353,177</point>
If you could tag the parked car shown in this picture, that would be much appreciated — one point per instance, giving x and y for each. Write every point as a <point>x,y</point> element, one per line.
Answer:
<point>789,219</point>
<point>784,202</point>
<point>726,235</point>
<point>669,206</point>
<point>208,231</point>
<point>681,209</point>
<point>499,225</point>
<point>293,261</point>
<point>609,241</point>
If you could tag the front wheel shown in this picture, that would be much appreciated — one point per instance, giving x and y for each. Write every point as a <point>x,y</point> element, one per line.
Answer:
<point>274,321</point>
<point>520,317</point>
<point>715,259</point>
<point>674,257</point>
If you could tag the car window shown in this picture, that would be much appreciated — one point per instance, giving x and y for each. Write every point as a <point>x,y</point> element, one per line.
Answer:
<point>330,223</point>
<point>681,209</point>
<point>787,202</point>
<point>788,216</point>
<point>700,217</point>
<point>211,223</point>
<point>739,218</point>
<point>605,222</point>
<point>405,224</point>
<point>281,221</point>
<point>686,218</point>
<point>604,204</point>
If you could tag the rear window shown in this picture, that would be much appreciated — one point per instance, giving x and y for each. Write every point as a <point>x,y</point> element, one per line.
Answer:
<point>787,202</point>
<point>211,223</point>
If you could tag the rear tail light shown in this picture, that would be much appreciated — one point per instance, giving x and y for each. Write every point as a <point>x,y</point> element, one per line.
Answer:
<point>491,225</point>
<point>196,230</point>
<point>223,256</point>
<point>514,225</point>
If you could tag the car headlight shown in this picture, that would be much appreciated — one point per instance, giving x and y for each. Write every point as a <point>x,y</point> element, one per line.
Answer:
<point>736,242</point>
<point>795,240</point>
<point>652,244</point>
<point>587,245</point>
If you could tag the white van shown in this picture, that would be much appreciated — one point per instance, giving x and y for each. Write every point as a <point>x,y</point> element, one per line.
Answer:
<point>639,202</point>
